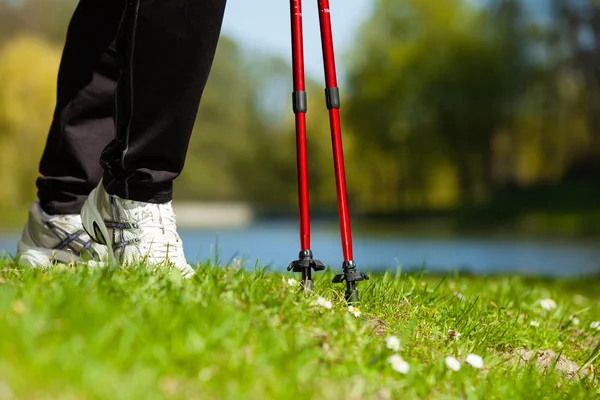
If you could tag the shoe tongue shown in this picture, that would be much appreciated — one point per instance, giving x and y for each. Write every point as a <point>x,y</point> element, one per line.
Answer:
<point>133,205</point>
<point>142,209</point>
<point>134,209</point>
<point>60,217</point>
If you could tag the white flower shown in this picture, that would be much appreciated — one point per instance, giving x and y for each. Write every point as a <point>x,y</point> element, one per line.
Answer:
<point>453,334</point>
<point>452,363</point>
<point>398,364</point>
<point>354,311</point>
<point>559,344</point>
<point>323,302</point>
<point>292,282</point>
<point>548,304</point>
<point>574,320</point>
<point>392,343</point>
<point>534,323</point>
<point>474,361</point>
<point>459,295</point>
<point>595,325</point>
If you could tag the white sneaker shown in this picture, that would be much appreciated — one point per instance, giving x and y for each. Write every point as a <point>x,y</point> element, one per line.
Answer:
<point>56,238</point>
<point>134,232</point>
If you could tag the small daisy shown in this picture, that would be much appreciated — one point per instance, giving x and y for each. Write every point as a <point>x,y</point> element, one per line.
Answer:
<point>398,364</point>
<point>453,334</point>
<point>595,325</point>
<point>452,363</point>
<point>548,304</point>
<point>292,282</point>
<point>392,343</point>
<point>459,295</point>
<point>323,302</point>
<point>354,311</point>
<point>534,323</point>
<point>574,320</point>
<point>474,361</point>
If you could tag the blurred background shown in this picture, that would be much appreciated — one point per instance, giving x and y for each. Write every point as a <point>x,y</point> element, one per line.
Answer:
<point>471,133</point>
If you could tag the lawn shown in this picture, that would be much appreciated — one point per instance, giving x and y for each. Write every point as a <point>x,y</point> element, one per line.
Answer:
<point>247,333</point>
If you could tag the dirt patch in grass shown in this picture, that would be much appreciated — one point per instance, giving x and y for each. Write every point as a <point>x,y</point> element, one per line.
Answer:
<point>583,341</point>
<point>546,359</point>
<point>379,327</point>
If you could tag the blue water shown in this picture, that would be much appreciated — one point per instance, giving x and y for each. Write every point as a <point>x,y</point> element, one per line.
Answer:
<point>276,244</point>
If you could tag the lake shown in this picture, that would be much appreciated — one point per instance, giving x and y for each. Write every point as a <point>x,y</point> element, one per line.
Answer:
<point>276,244</point>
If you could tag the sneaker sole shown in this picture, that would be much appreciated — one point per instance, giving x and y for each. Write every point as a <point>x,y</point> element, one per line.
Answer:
<point>39,257</point>
<point>93,224</point>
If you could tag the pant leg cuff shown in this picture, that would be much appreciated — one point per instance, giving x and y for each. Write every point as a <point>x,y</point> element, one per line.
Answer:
<point>157,193</point>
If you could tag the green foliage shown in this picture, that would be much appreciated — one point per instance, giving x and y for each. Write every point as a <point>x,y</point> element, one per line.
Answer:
<point>429,93</point>
<point>226,123</point>
<point>451,102</point>
<point>269,175</point>
<point>28,69</point>
<point>38,17</point>
<point>447,104</point>
<point>228,333</point>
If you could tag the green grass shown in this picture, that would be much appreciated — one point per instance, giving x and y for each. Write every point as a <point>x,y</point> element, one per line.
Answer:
<point>70,333</point>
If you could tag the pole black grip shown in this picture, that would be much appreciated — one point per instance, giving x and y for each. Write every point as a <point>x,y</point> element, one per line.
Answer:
<point>299,102</point>
<point>332,97</point>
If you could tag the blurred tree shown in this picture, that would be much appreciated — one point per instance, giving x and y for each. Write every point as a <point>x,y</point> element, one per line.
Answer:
<point>552,127</point>
<point>446,103</point>
<point>432,84</point>
<point>28,68</point>
<point>267,173</point>
<point>577,39</point>
<point>223,129</point>
<point>244,144</point>
<point>48,19</point>
<point>237,150</point>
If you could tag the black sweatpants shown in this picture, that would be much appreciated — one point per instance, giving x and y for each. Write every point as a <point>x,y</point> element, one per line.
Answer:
<point>129,86</point>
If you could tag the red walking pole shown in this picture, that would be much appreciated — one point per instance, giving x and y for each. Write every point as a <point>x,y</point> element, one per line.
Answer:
<point>332,96</point>
<point>305,263</point>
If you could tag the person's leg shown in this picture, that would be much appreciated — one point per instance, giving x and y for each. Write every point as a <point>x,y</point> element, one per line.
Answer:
<point>82,127</point>
<point>83,118</point>
<point>166,50</point>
